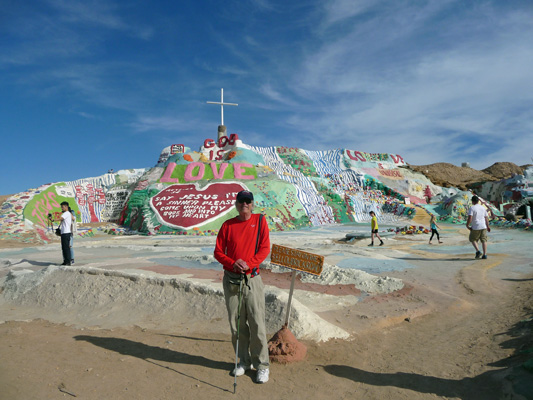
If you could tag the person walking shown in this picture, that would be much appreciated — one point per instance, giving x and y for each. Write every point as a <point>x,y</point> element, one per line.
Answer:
<point>374,229</point>
<point>434,227</point>
<point>66,232</point>
<point>478,224</point>
<point>242,245</point>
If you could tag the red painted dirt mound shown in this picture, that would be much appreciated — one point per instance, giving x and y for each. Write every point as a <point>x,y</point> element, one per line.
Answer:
<point>284,348</point>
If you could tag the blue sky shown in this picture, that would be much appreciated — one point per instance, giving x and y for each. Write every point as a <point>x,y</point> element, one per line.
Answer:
<point>91,85</point>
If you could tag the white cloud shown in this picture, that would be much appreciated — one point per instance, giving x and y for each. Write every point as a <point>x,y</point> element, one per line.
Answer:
<point>338,10</point>
<point>169,123</point>
<point>86,115</point>
<point>39,40</point>
<point>438,80</point>
<point>276,96</point>
<point>89,11</point>
<point>105,14</point>
<point>54,36</point>
<point>381,87</point>
<point>263,5</point>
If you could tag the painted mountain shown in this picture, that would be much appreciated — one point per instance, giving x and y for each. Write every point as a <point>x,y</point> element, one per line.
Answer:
<point>193,192</point>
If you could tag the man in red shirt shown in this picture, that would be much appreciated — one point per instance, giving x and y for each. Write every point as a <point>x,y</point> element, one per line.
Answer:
<point>242,244</point>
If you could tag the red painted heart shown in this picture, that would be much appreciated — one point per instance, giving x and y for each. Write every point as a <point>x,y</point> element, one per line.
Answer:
<point>187,206</point>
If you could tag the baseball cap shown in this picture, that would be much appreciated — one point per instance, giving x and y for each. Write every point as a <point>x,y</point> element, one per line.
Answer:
<point>245,195</point>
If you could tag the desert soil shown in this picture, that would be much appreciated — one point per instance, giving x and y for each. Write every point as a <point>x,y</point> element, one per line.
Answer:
<point>465,348</point>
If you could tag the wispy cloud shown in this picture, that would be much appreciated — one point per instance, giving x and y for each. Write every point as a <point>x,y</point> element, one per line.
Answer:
<point>88,12</point>
<point>169,123</point>
<point>339,10</point>
<point>263,5</point>
<point>278,97</point>
<point>105,14</point>
<point>86,115</point>
<point>452,89</point>
<point>40,40</point>
<point>44,37</point>
<point>432,80</point>
<point>222,69</point>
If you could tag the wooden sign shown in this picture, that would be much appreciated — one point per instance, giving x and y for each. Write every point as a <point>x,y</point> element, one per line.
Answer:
<point>297,259</point>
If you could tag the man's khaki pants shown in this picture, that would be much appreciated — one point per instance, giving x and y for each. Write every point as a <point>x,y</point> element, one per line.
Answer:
<point>253,347</point>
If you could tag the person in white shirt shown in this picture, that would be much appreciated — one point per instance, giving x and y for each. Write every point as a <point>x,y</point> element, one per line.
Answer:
<point>73,232</point>
<point>478,224</point>
<point>66,232</point>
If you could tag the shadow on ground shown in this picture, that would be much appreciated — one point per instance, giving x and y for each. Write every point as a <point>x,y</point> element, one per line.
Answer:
<point>520,364</point>
<point>153,353</point>
<point>195,338</point>
<point>33,262</point>
<point>518,280</point>
<point>480,387</point>
<point>514,379</point>
<point>436,259</point>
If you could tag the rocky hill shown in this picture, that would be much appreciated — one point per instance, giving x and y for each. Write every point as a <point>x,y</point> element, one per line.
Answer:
<point>503,170</point>
<point>448,175</point>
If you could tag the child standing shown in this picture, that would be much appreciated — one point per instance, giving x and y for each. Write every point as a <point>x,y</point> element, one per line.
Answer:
<point>374,228</point>
<point>434,226</point>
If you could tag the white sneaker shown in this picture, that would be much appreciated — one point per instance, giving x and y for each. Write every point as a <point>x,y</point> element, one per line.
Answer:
<point>262,375</point>
<point>240,369</point>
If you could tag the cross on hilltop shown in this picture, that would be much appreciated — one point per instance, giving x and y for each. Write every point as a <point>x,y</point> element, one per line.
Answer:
<point>222,104</point>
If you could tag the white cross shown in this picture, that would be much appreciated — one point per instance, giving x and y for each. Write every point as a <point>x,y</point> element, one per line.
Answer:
<point>222,104</point>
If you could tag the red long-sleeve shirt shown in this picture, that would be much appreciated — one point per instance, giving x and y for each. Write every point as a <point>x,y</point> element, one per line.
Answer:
<point>236,239</point>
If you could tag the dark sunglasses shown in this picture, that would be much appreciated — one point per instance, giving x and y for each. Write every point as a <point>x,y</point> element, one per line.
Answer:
<point>247,201</point>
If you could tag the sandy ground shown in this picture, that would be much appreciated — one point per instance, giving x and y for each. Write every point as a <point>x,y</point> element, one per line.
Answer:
<point>456,331</point>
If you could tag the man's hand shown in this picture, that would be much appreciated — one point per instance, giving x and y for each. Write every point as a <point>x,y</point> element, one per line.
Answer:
<point>488,229</point>
<point>469,228</point>
<point>240,266</point>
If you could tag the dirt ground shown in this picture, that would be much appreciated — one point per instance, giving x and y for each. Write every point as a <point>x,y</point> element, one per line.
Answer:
<point>465,351</point>
<point>471,346</point>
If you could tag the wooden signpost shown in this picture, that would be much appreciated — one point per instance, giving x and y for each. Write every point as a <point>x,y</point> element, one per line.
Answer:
<point>296,260</point>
